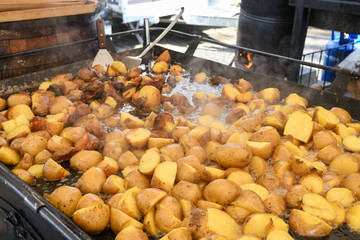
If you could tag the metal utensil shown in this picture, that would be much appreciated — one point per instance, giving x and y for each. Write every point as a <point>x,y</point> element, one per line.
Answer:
<point>135,61</point>
<point>103,57</point>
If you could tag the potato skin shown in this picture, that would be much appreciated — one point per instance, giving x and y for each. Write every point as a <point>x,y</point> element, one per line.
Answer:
<point>85,159</point>
<point>33,144</point>
<point>187,190</point>
<point>93,219</point>
<point>65,199</point>
<point>91,181</point>
<point>221,191</point>
<point>233,155</point>
<point>294,195</point>
<point>196,222</point>
<point>352,182</point>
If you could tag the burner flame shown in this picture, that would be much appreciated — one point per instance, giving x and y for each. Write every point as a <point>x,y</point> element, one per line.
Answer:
<point>246,59</point>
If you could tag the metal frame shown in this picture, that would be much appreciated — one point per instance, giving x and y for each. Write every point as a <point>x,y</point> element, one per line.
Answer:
<point>304,10</point>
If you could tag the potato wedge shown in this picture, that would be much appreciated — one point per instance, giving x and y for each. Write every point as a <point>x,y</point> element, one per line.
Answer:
<point>308,225</point>
<point>221,223</point>
<point>260,224</point>
<point>164,176</point>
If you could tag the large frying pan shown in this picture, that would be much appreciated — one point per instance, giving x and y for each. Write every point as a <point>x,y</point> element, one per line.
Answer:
<point>45,222</point>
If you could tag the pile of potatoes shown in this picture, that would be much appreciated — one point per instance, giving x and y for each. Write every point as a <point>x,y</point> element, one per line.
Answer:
<point>250,166</point>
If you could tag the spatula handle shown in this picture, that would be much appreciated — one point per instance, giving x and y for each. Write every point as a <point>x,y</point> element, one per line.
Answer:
<point>101,33</point>
<point>167,29</point>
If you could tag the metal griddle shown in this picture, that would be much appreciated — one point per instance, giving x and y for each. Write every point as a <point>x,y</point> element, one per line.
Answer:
<point>26,205</point>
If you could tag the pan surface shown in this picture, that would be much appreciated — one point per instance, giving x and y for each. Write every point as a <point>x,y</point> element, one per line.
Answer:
<point>315,97</point>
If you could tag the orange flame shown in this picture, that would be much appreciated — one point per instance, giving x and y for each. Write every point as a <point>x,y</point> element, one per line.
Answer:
<point>250,64</point>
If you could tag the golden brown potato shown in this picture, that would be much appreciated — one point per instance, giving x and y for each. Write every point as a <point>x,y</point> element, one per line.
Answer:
<point>149,97</point>
<point>313,182</point>
<point>149,161</point>
<point>59,104</point>
<point>221,223</point>
<point>230,92</point>
<point>147,198</point>
<point>65,199</point>
<point>73,133</point>
<point>318,206</point>
<point>160,67</point>
<point>324,138</point>
<point>109,166</point>
<point>127,159</point>
<point>56,143</point>
<point>247,200</point>
<point>113,184</point>
<point>308,225</point>
<point>138,137</point>
<point>260,149</point>
<point>103,111</point>
<point>136,179</point>
<point>91,181</point>
<point>130,121</point>
<point>292,126</point>
<point>270,95</point>
<point>85,159</point>
<point>275,204</point>
<point>24,175</point>
<point>33,144</point>
<point>187,190</point>
<point>188,173</point>
<point>328,153</point>
<point>210,174</point>
<point>9,156</point>
<point>131,233</point>
<point>352,218</point>
<point>352,143</point>
<point>127,203</point>
<point>196,222</point>
<point>120,220</point>
<point>26,161</point>
<point>345,164</point>
<point>113,150</point>
<point>233,155</point>
<point>326,118</point>
<point>342,114</point>
<point>172,152</point>
<point>261,224</point>
<point>221,191</point>
<point>3,104</point>
<point>294,195</point>
<point>301,166</point>
<point>187,141</point>
<point>294,98</point>
<point>240,177</point>
<point>352,182</point>
<point>341,195</point>
<point>40,103</point>
<point>18,98</point>
<point>178,233</point>
<point>165,220</point>
<point>19,109</point>
<point>92,219</point>
<point>53,171</point>
<point>42,156</point>
<point>258,166</point>
<point>164,176</point>
<point>270,181</point>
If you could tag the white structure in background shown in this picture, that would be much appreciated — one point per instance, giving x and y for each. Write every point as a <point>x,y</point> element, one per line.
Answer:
<point>217,13</point>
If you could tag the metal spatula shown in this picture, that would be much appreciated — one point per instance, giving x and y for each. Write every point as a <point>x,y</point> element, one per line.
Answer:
<point>135,61</point>
<point>103,57</point>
